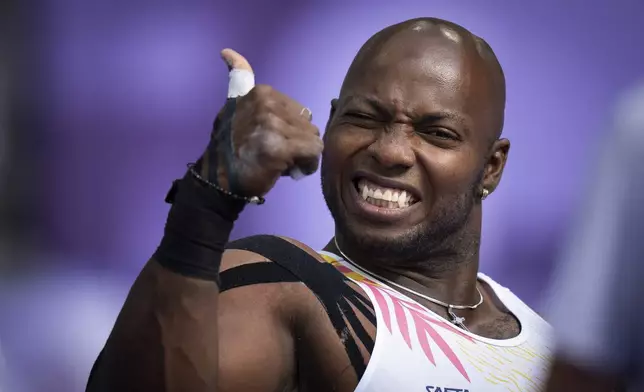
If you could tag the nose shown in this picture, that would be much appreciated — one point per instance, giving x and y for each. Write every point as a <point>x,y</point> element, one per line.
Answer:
<point>393,149</point>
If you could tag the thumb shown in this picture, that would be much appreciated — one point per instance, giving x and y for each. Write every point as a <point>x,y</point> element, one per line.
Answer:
<point>241,76</point>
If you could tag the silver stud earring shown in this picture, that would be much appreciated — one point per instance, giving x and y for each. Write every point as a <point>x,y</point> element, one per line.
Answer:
<point>484,193</point>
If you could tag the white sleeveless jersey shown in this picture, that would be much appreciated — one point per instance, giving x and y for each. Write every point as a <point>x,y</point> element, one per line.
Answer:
<point>417,350</point>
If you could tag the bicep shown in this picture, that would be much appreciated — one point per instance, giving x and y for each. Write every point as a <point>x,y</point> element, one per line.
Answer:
<point>256,346</point>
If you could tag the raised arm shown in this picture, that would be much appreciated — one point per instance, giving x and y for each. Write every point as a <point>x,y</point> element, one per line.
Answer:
<point>174,332</point>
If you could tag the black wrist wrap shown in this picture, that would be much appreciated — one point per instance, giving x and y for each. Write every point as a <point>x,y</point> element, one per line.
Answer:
<point>197,229</point>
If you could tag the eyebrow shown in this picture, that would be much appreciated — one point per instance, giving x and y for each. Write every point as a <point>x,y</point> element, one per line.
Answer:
<point>361,100</point>
<point>422,118</point>
<point>444,115</point>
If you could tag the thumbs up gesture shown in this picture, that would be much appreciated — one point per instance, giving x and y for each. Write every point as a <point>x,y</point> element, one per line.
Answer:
<point>259,135</point>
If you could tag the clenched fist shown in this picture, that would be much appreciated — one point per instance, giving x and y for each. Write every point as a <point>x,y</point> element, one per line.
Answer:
<point>259,135</point>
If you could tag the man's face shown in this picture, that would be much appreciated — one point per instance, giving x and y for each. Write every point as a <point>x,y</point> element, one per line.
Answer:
<point>406,147</point>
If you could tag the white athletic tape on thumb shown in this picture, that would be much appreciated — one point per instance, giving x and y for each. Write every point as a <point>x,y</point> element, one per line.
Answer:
<point>240,82</point>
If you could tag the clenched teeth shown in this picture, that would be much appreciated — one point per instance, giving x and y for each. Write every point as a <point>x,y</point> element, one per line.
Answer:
<point>384,197</point>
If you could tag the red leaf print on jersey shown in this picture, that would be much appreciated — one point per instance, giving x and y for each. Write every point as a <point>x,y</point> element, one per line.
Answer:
<point>382,304</point>
<point>423,322</point>
<point>402,322</point>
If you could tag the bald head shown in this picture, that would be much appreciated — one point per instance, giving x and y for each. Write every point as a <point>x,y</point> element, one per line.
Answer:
<point>422,105</point>
<point>462,55</point>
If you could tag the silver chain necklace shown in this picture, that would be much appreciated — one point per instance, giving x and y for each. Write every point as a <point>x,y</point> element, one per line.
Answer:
<point>459,321</point>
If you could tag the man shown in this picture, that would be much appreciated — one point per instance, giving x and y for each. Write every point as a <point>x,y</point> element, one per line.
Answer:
<point>395,302</point>
<point>597,295</point>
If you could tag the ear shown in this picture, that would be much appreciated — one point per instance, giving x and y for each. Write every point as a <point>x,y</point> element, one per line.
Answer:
<point>495,164</point>
<point>334,105</point>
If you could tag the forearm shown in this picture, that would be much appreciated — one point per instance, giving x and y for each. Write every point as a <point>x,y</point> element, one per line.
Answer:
<point>165,338</point>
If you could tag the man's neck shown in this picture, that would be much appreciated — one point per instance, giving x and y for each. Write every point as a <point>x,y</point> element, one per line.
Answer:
<point>450,276</point>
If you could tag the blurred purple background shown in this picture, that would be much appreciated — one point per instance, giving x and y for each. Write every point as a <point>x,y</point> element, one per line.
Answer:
<point>104,102</point>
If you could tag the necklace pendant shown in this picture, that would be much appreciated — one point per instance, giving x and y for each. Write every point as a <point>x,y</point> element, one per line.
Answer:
<point>458,321</point>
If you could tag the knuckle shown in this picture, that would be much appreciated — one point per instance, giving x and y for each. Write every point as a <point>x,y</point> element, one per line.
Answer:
<point>262,113</point>
<point>268,119</point>
<point>273,121</point>
<point>262,90</point>
<point>315,142</point>
<point>269,144</point>
<point>264,108</point>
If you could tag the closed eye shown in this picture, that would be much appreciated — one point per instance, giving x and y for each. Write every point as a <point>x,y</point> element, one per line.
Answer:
<point>441,133</point>
<point>362,120</point>
<point>359,116</point>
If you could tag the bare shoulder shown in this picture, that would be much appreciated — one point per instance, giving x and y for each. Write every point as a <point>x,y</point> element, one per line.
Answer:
<point>303,315</point>
<point>268,294</point>
<point>284,298</point>
<point>257,323</point>
<point>236,257</point>
<point>290,290</point>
